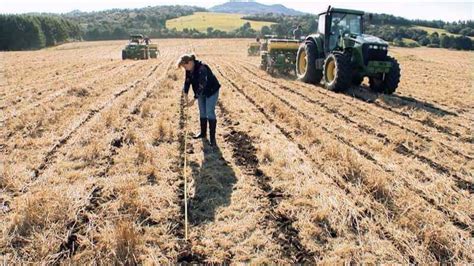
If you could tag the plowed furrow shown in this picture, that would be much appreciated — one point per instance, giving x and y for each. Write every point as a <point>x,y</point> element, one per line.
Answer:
<point>383,138</point>
<point>49,156</point>
<point>384,233</point>
<point>286,234</point>
<point>48,85</point>
<point>62,92</point>
<point>368,155</point>
<point>443,130</point>
<point>337,112</point>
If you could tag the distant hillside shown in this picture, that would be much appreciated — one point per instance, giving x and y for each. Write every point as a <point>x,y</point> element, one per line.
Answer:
<point>431,30</point>
<point>201,21</point>
<point>249,8</point>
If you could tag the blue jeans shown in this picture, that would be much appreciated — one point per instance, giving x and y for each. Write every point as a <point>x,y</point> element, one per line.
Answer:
<point>207,106</point>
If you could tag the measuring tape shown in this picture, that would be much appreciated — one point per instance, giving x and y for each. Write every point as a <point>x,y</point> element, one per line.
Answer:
<point>185,173</point>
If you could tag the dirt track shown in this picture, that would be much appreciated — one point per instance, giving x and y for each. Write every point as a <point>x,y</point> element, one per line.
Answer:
<point>93,147</point>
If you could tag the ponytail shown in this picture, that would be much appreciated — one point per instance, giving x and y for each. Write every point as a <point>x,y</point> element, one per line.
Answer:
<point>184,59</point>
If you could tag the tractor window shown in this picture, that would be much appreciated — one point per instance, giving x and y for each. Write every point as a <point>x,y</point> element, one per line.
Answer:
<point>343,22</point>
<point>322,24</point>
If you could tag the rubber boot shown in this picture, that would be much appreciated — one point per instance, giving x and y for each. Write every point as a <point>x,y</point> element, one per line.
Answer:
<point>203,132</point>
<point>212,132</point>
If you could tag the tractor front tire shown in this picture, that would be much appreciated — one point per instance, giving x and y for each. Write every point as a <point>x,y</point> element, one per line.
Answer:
<point>337,72</point>
<point>390,83</point>
<point>124,55</point>
<point>306,64</point>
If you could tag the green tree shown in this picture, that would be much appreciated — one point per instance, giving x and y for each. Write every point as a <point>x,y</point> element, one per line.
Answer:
<point>434,38</point>
<point>210,31</point>
<point>445,41</point>
<point>265,30</point>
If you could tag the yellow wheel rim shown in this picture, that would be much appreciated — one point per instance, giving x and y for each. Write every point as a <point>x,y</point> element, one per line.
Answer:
<point>302,62</point>
<point>330,70</point>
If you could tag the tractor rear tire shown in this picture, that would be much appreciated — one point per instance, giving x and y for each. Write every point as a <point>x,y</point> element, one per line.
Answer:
<point>392,78</point>
<point>306,64</point>
<point>124,55</point>
<point>337,72</point>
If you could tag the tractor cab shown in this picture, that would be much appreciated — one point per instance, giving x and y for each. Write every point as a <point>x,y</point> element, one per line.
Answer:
<point>336,24</point>
<point>136,39</point>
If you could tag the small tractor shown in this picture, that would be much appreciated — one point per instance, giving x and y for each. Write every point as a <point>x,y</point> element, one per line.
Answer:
<point>254,49</point>
<point>279,55</point>
<point>341,55</point>
<point>139,48</point>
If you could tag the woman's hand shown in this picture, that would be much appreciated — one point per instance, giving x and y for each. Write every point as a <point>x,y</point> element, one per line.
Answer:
<point>190,103</point>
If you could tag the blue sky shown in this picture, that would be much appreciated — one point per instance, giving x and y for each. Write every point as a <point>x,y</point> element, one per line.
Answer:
<point>448,11</point>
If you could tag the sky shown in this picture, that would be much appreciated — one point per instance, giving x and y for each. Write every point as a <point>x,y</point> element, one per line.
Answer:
<point>421,9</point>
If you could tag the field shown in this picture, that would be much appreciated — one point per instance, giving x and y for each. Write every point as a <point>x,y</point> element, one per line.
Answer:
<point>219,21</point>
<point>409,41</point>
<point>93,161</point>
<point>439,31</point>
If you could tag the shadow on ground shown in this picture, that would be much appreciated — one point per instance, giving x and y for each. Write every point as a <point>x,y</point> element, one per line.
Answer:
<point>214,182</point>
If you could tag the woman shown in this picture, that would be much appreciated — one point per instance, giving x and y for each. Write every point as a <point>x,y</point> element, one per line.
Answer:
<point>206,91</point>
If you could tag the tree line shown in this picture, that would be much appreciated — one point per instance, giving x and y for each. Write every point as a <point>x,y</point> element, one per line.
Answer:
<point>19,32</point>
<point>22,32</point>
<point>115,24</point>
<point>398,35</point>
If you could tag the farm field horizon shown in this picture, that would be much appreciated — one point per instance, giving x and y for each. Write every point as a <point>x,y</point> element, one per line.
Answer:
<point>201,21</point>
<point>93,151</point>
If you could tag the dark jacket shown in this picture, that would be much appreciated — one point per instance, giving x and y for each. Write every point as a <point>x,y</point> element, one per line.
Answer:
<point>202,79</point>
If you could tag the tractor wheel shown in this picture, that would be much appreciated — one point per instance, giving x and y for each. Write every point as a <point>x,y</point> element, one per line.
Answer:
<point>392,78</point>
<point>306,64</point>
<point>337,72</point>
<point>124,55</point>
<point>390,83</point>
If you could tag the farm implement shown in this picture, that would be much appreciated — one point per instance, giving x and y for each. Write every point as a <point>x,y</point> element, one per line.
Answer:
<point>279,55</point>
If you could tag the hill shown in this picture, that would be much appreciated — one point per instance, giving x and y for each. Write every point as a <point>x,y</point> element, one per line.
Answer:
<point>248,8</point>
<point>431,30</point>
<point>201,21</point>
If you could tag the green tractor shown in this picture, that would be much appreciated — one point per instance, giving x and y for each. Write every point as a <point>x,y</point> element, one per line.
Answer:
<point>139,48</point>
<point>341,55</point>
<point>279,55</point>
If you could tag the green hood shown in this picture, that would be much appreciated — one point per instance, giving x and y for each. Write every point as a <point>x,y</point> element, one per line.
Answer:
<point>364,38</point>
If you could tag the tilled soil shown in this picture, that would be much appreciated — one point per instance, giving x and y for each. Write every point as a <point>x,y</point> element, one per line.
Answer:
<point>93,161</point>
